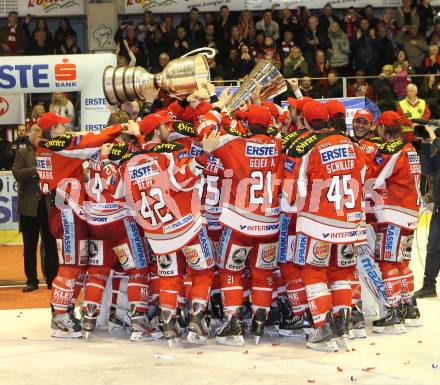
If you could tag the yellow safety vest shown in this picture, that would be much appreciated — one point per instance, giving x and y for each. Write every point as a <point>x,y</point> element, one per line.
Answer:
<point>412,112</point>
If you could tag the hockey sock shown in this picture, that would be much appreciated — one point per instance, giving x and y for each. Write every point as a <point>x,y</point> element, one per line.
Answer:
<point>407,281</point>
<point>392,283</point>
<point>356,293</point>
<point>137,289</point>
<point>63,288</point>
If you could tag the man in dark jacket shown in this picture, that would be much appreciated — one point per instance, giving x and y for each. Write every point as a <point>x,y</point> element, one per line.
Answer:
<point>12,37</point>
<point>365,49</point>
<point>22,140</point>
<point>33,211</point>
<point>430,165</point>
<point>314,39</point>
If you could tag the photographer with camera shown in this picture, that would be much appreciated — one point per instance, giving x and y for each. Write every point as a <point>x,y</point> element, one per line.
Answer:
<point>430,165</point>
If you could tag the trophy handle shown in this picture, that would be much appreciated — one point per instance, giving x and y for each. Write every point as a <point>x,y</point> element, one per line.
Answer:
<point>209,55</point>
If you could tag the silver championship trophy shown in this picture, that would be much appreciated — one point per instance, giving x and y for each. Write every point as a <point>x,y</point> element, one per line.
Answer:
<point>267,76</point>
<point>179,78</point>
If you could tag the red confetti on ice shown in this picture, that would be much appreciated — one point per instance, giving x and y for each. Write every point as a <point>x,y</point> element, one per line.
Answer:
<point>24,338</point>
<point>275,344</point>
<point>353,349</point>
<point>199,353</point>
<point>311,381</point>
<point>368,369</point>
<point>340,369</point>
<point>377,354</point>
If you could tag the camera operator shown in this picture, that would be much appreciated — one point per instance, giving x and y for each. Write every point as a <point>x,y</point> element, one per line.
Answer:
<point>430,164</point>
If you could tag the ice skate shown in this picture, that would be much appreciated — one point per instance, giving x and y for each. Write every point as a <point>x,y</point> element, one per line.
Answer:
<point>115,325</point>
<point>411,314</point>
<point>231,332</point>
<point>198,329</point>
<point>357,322</point>
<point>297,326</point>
<point>258,324</point>
<point>63,327</point>
<point>321,339</point>
<point>392,323</point>
<point>171,328</point>
<point>91,312</point>
<point>71,312</point>
<point>140,327</point>
<point>217,312</point>
<point>342,327</point>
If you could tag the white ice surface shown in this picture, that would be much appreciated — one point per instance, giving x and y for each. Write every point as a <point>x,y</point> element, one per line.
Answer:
<point>28,356</point>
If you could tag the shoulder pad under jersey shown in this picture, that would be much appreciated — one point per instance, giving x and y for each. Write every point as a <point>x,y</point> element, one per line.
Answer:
<point>233,131</point>
<point>118,151</point>
<point>375,139</point>
<point>167,147</point>
<point>289,138</point>
<point>302,145</point>
<point>392,147</point>
<point>184,128</point>
<point>59,143</point>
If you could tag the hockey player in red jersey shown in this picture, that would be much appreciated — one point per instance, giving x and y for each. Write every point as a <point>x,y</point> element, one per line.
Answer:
<point>159,186</point>
<point>329,223</point>
<point>250,216</point>
<point>59,165</point>
<point>397,174</point>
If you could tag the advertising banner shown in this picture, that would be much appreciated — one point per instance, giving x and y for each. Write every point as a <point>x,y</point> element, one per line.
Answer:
<point>50,7</point>
<point>61,73</point>
<point>8,201</point>
<point>101,25</point>
<point>12,109</point>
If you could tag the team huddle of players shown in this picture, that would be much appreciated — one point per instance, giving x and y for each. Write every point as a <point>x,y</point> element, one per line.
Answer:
<point>264,215</point>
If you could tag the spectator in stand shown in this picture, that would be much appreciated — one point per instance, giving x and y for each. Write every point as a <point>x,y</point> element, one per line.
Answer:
<point>13,39</point>
<point>258,46</point>
<point>320,70</point>
<point>61,33</point>
<point>314,40</point>
<point>411,108</point>
<point>289,22</point>
<point>217,70</point>
<point>269,26</point>
<point>37,111</point>
<point>385,99</point>
<point>70,47</point>
<point>414,46</point>
<point>122,60</point>
<point>153,48</point>
<point>340,51</point>
<point>307,89</point>
<point>33,209</point>
<point>181,45</point>
<point>22,140</point>
<point>369,15</point>
<point>164,59</point>
<point>365,49</point>
<point>388,23</point>
<point>145,30</point>
<point>246,26</point>
<point>63,107</point>
<point>210,36</point>
<point>223,25</point>
<point>269,52</point>
<point>399,80</point>
<point>387,48</point>
<point>168,30</point>
<point>407,15</point>
<point>235,66</point>
<point>208,18</point>
<point>247,59</point>
<point>128,32</point>
<point>431,62</point>
<point>430,91</point>
<point>194,28</point>
<point>234,42</point>
<point>426,15</point>
<point>360,81</point>
<point>327,17</point>
<point>286,45</point>
<point>41,25</point>
<point>39,44</point>
<point>351,23</point>
<point>434,38</point>
<point>402,59</point>
<point>334,86</point>
<point>294,65</point>
<point>361,91</point>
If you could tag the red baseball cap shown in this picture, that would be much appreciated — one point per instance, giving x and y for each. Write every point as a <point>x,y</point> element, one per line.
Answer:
<point>334,107</point>
<point>50,119</point>
<point>293,102</point>
<point>273,109</point>
<point>315,112</point>
<point>152,121</point>
<point>258,114</point>
<point>364,114</point>
<point>302,102</point>
<point>390,118</point>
